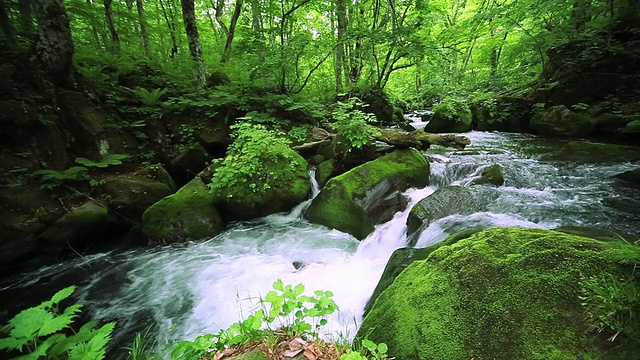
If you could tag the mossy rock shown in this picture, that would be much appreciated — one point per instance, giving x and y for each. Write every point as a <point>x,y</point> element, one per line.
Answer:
<point>186,215</point>
<point>501,293</point>
<point>592,152</point>
<point>280,185</point>
<point>354,201</point>
<point>451,115</point>
<point>401,258</point>
<point>326,170</point>
<point>78,224</point>
<point>559,121</point>
<point>255,354</point>
<point>632,129</point>
<point>501,114</point>
<point>491,175</point>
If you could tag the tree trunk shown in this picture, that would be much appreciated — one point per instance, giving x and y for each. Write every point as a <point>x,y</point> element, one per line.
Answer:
<point>232,30</point>
<point>172,29</point>
<point>143,28</point>
<point>115,39</point>
<point>189,16</point>
<point>54,48</point>
<point>340,54</point>
<point>26,19</point>
<point>7,28</point>
<point>256,18</point>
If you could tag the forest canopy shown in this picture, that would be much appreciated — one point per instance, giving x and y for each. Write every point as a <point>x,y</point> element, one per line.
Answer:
<point>416,50</point>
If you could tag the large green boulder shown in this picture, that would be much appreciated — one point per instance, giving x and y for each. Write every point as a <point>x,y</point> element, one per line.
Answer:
<point>451,115</point>
<point>369,194</point>
<point>188,214</point>
<point>491,175</point>
<point>559,121</point>
<point>507,293</point>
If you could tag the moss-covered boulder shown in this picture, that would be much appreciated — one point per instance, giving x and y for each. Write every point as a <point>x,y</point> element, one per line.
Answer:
<point>491,175</point>
<point>631,130</point>
<point>188,214</point>
<point>401,258</point>
<point>451,115</point>
<point>326,170</point>
<point>78,225</point>
<point>132,193</point>
<point>559,121</point>
<point>260,175</point>
<point>510,294</point>
<point>358,199</point>
<point>501,114</point>
<point>593,152</point>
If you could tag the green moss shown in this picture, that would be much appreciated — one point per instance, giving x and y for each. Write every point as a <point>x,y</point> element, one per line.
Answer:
<point>451,115</point>
<point>559,121</point>
<point>256,354</point>
<point>632,128</point>
<point>345,203</point>
<point>499,294</point>
<point>492,176</point>
<point>188,214</point>
<point>325,171</point>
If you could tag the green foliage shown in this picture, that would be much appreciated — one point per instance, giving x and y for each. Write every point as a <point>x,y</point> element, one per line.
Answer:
<point>453,109</point>
<point>254,149</point>
<point>107,160</point>
<point>367,347</point>
<point>54,178</point>
<point>612,302</point>
<point>40,332</point>
<point>580,107</point>
<point>300,134</point>
<point>141,346</point>
<point>285,307</point>
<point>149,98</point>
<point>354,124</point>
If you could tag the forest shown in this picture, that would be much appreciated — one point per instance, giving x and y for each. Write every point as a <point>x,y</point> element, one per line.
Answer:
<point>379,179</point>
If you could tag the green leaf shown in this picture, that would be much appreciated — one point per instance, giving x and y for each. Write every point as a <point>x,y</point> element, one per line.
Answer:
<point>299,289</point>
<point>62,294</point>
<point>278,285</point>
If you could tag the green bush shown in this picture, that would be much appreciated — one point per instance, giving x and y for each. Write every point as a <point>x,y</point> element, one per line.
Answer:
<point>354,124</point>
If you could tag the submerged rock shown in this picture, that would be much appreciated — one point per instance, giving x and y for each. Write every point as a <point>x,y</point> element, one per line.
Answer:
<point>505,293</point>
<point>451,115</point>
<point>592,152</point>
<point>632,177</point>
<point>188,214</point>
<point>370,193</point>
<point>491,175</point>
<point>77,225</point>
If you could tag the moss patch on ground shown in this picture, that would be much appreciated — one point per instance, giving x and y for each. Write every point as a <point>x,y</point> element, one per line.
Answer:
<point>501,293</point>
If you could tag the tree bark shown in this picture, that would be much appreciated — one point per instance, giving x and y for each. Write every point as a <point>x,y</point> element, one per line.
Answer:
<point>256,18</point>
<point>172,29</point>
<point>143,28</point>
<point>7,28</point>
<point>189,17</point>
<point>115,39</point>
<point>341,16</point>
<point>26,19</point>
<point>54,48</point>
<point>232,30</point>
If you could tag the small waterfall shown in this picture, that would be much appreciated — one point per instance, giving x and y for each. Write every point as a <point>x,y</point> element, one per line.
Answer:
<point>298,211</point>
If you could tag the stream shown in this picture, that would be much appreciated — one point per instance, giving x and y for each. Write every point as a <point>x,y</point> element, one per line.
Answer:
<point>189,289</point>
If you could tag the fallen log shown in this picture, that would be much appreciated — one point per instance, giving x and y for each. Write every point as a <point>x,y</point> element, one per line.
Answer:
<point>400,139</point>
<point>421,140</point>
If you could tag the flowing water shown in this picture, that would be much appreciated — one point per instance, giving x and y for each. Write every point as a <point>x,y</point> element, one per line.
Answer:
<point>189,289</point>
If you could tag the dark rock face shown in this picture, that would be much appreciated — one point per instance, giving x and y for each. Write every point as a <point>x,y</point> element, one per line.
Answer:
<point>559,121</point>
<point>631,177</point>
<point>370,193</point>
<point>501,114</point>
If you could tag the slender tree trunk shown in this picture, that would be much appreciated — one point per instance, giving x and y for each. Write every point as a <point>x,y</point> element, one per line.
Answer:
<point>54,48</point>
<point>26,19</point>
<point>143,28</point>
<point>189,16</point>
<point>7,29</point>
<point>232,30</point>
<point>341,15</point>
<point>172,29</point>
<point>256,18</point>
<point>115,39</point>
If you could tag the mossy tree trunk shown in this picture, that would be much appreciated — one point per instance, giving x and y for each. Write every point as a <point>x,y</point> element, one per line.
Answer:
<point>189,17</point>
<point>54,48</point>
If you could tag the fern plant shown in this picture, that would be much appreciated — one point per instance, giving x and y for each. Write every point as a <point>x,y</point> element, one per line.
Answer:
<point>149,98</point>
<point>40,332</point>
<point>111,159</point>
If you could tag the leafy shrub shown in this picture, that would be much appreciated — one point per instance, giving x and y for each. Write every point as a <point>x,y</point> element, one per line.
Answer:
<point>38,331</point>
<point>54,178</point>
<point>453,109</point>
<point>255,161</point>
<point>107,160</point>
<point>285,307</point>
<point>353,124</point>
